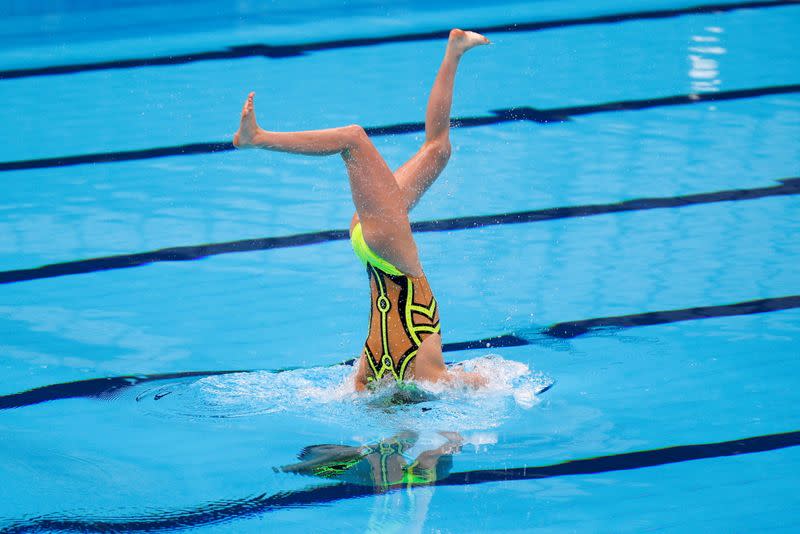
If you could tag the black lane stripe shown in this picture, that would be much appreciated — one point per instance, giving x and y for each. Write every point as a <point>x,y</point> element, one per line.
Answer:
<point>99,387</point>
<point>574,329</point>
<point>111,157</point>
<point>232,509</point>
<point>788,186</point>
<point>93,388</point>
<point>124,261</point>
<point>499,116</point>
<point>630,460</point>
<point>109,386</point>
<point>299,49</point>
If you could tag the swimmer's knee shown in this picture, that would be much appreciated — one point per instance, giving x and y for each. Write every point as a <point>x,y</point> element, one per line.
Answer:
<point>356,135</point>
<point>441,150</point>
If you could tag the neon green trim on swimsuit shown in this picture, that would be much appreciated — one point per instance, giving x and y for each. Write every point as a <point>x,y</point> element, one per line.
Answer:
<point>384,305</point>
<point>385,364</point>
<point>367,255</point>
<point>414,475</point>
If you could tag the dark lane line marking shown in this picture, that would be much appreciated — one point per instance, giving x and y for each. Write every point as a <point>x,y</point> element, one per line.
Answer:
<point>113,157</point>
<point>499,116</point>
<point>100,387</point>
<point>185,253</point>
<point>572,329</point>
<point>93,388</point>
<point>231,509</point>
<point>788,186</point>
<point>300,49</point>
<point>109,386</point>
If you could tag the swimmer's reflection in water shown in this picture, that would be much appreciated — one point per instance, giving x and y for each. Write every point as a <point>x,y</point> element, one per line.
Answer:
<point>383,465</point>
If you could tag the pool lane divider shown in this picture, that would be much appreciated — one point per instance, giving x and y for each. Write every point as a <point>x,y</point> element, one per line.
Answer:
<point>301,49</point>
<point>110,386</point>
<point>498,116</point>
<point>787,186</point>
<point>232,509</point>
<point>573,329</point>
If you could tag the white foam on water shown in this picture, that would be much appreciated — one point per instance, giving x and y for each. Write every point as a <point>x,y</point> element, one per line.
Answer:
<point>328,394</point>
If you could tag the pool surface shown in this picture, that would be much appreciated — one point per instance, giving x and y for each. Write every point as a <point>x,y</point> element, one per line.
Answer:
<point>614,243</point>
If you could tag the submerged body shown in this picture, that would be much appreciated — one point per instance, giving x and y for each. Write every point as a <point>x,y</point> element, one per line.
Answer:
<point>404,340</point>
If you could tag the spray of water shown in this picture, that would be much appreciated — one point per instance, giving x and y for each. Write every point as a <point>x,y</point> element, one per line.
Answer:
<point>327,394</point>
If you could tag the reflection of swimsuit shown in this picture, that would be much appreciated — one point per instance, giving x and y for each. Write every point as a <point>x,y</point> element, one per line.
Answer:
<point>412,474</point>
<point>392,469</point>
<point>403,313</point>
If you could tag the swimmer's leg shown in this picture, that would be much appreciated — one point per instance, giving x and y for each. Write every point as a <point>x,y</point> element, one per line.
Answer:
<point>372,184</point>
<point>418,173</point>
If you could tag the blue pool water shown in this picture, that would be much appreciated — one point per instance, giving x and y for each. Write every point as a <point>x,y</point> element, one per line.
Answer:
<point>614,244</point>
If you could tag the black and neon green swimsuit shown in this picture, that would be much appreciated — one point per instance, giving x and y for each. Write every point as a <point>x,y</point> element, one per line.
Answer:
<point>412,474</point>
<point>403,313</point>
<point>384,465</point>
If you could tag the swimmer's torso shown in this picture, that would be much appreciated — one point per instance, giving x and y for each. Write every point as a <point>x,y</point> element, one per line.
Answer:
<point>403,313</point>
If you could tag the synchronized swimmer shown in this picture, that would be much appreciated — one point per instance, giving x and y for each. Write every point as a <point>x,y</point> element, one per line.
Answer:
<point>404,340</point>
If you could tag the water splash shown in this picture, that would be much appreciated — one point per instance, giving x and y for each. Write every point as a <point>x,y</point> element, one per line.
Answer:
<point>327,394</point>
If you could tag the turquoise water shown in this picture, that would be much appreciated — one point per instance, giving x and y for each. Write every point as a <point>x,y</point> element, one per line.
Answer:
<point>653,344</point>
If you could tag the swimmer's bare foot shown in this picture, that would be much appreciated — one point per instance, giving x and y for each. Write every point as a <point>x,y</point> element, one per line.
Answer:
<point>245,137</point>
<point>460,41</point>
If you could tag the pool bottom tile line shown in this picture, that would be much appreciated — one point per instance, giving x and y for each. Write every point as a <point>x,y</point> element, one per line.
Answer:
<point>286,51</point>
<point>233,509</point>
<point>498,116</point>
<point>106,387</point>
<point>787,186</point>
